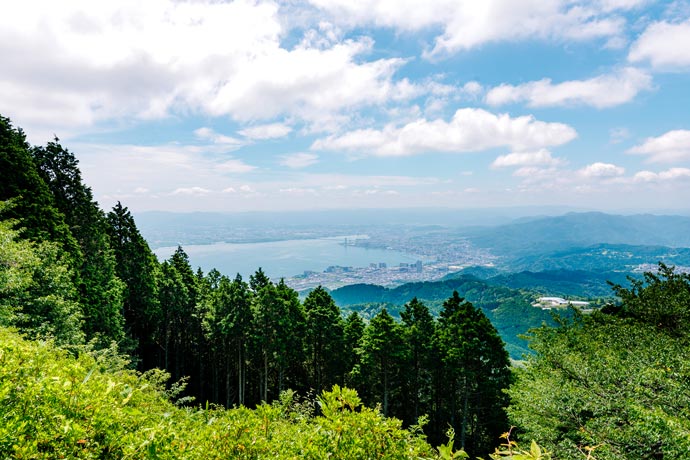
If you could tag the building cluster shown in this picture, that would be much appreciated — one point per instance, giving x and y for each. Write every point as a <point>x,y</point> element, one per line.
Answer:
<point>547,303</point>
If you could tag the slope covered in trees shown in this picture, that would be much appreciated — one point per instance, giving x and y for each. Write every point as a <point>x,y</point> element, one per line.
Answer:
<point>82,286</point>
<point>509,309</point>
<point>72,274</point>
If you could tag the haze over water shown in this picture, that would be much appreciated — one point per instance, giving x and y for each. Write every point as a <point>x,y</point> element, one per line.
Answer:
<point>284,258</point>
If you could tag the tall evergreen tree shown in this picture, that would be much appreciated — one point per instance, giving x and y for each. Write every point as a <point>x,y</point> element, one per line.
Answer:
<point>476,372</point>
<point>418,334</point>
<point>291,372</point>
<point>99,287</point>
<point>174,299</point>
<point>33,203</point>
<point>138,268</point>
<point>353,331</point>
<point>325,340</point>
<point>258,280</point>
<point>382,355</point>
<point>237,324</point>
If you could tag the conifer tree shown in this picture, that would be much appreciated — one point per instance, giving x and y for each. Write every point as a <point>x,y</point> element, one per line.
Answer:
<point>99,287</point>
<point>476,372</point>
<point>382,355</point>
<point>325,340</point>
<point>138,268</point>
<point>418,334</point>
<point>174,298</point>
<point>32,203</point>
<point>353,330</point>
<point>292,323</point>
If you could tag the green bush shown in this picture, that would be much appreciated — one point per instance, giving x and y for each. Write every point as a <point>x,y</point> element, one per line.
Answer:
<point>54,405</point>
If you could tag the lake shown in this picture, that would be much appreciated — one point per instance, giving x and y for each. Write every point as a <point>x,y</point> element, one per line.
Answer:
<point>285,258</point>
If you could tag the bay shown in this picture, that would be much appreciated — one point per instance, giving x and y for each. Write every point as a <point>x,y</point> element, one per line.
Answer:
<point>287,258</point>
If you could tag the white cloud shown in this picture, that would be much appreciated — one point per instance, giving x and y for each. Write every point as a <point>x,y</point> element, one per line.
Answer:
<point>469,24</point>
<point>158,169</point>
<point>600,170</point>
<point>235,167</point>
<point>298,191</point>
<point>664,45</point>
<point>208,134</point>
<point>600,92</point>
<point>470,130</point>
<point>376,191</point>
<point>154,59</point>
<point>671,174</point>
<point>299,160</point>
<point>269,131</point>
<point>472,88</point>
<point>670,146</point>
<point>534,173</point>
<point>540,157</point>
<point>197,191</point>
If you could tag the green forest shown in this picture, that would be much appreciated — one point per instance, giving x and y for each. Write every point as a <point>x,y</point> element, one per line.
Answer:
<point>105,352</point>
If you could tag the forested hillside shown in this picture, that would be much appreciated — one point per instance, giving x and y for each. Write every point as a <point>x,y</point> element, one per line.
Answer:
<point>506,303</point>
<point>71,273</point>
<point>105,352</point>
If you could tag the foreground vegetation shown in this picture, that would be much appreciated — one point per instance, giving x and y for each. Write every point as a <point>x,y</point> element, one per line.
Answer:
<point>613,385</point>
<point>53,405</point>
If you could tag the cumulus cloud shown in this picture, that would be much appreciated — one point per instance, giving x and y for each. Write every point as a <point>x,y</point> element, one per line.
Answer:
<point>663,45</point>
<point>671,174</point>
<point>600,92</point>
<point>671,146</point>
<point>299,160</point>
<point>269,131</point>
<point>600,170</point>
<point>469,24</point>
<point>155,59</point>
<point>540,157</point>
<point>210,135</point>
<point>470,130</point>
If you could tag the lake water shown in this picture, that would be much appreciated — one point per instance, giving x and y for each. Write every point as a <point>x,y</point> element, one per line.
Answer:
<point>284,258</point>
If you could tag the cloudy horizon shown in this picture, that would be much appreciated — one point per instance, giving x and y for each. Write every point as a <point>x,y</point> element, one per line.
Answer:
<point>332,104</point>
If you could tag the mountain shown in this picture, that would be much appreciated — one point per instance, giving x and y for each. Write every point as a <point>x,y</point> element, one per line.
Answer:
<point>602,258</point>
<point>550,234</point>
<point>509,310</point>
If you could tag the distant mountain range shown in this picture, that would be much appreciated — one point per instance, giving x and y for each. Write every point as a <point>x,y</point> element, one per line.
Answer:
<point>549,234</point>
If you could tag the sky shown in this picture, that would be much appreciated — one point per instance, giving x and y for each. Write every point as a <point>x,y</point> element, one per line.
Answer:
<point>211,105</point>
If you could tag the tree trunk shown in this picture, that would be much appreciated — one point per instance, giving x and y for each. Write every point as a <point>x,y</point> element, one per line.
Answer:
<point>240,376</point>
<point>228,369</point>
<point>463,428</point>
<point>385,391</point>
<point>264,396</point>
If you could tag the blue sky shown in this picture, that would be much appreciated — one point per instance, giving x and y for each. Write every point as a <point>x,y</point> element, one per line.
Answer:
<point>328,104</point>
